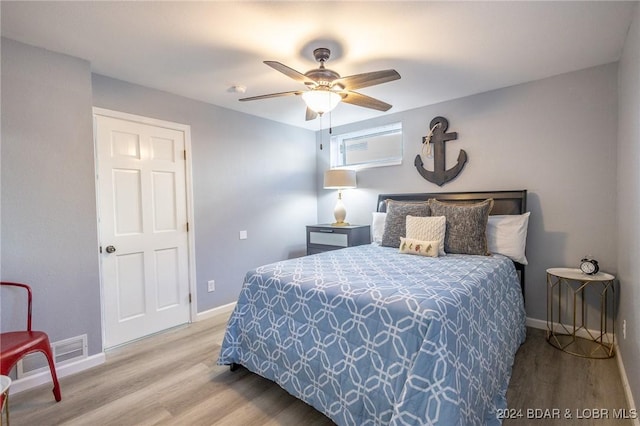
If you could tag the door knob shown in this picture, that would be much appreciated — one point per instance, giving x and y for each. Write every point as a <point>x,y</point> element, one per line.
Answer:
<point>110,249</point>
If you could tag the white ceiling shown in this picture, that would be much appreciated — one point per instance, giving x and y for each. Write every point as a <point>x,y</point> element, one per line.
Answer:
<point>442,50</point>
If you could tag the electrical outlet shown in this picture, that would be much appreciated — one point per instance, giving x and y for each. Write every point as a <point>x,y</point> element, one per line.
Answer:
<point>243,235</point>
<point>624,329</point>
<point>211,286</point>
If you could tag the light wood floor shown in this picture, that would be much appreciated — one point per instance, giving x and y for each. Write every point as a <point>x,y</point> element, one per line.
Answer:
<point>172,379</point>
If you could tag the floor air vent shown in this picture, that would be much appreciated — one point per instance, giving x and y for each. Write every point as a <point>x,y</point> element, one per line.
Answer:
<point>64,351</point>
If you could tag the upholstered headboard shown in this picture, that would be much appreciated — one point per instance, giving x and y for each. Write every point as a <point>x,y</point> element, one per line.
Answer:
<point>504,202</point>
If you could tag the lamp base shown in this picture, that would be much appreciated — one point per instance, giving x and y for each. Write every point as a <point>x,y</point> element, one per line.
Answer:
<point>339,212</point>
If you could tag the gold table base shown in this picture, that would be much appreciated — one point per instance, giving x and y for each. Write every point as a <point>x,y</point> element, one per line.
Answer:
<point>566,313</point>
<point>580,346</point>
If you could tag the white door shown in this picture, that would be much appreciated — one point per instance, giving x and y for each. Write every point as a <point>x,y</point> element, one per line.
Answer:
<point>143,228</point>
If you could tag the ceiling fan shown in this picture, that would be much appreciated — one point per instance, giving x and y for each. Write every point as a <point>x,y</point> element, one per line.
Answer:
<point>325,87</point>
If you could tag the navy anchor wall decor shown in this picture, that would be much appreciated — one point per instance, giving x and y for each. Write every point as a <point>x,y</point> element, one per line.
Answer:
<point>438,136</point>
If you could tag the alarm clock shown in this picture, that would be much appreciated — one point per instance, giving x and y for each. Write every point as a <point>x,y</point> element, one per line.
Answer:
<point>589,266</point>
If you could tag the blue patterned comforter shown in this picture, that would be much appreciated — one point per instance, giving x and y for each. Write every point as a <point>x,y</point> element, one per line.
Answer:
<point>369,336</point>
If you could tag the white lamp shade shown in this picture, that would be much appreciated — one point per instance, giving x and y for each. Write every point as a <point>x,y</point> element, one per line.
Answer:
<point>321,100</point>
<point>339,179</point>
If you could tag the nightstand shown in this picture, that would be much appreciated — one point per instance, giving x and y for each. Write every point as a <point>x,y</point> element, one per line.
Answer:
<point>326,237</point>
<point>567,312</point>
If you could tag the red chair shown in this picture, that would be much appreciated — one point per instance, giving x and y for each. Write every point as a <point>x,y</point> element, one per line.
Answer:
<point>16,344</point>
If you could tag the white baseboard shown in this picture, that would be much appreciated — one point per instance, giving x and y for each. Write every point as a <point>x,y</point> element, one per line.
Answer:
<point>625,384</point>
<point>62,370</point>
<point>584,333</point>
<point>224,309</point>
<point>536,323</point>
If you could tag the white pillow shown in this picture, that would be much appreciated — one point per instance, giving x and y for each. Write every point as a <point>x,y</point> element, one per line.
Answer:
<point>377,227</point>
<point>421,248</point>
<point>507,235</point>
<point>429,228</point>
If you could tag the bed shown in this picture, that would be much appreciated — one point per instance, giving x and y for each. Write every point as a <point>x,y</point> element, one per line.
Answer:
<point>370,336</point>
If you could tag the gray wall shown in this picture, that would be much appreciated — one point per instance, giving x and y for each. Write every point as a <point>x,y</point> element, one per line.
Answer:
<point>49,236</point>
<point>248,174</point>
<point>554,137</point>
<point>628,189</point>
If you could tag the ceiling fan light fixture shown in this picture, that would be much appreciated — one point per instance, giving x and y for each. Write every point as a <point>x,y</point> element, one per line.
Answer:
<point>321,101</point>
<point>325,88</point>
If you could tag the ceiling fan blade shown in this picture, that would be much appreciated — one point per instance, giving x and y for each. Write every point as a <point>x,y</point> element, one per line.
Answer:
<point>311,114</point>
<point>367,79</point>
<point>355,98</point>
<point>290,72</point>
<point>272,95</point>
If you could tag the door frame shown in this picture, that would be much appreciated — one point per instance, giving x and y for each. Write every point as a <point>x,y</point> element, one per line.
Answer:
<point>186,129</point>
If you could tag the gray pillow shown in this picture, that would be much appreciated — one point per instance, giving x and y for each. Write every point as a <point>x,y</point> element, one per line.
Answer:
<point>395,225</point>
<point>466,231</point>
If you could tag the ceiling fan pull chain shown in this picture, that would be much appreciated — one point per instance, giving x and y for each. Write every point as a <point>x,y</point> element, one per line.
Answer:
<point>321,134</point>
<point>330,128</point>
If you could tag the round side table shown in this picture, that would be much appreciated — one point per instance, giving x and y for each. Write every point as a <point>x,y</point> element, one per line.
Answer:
<point>566,312</point>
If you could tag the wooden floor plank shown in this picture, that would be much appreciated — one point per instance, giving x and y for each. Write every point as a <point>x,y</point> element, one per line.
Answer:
<point>172,379</point>
<point>545,378</point>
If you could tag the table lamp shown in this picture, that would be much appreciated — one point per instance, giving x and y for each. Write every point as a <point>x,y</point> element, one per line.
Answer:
<point>339,179</point>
